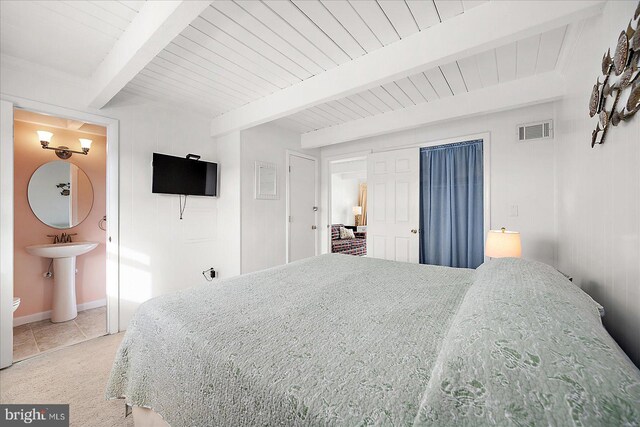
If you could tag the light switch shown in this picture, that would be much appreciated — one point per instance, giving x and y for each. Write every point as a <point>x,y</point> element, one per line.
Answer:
<point>513,211</point>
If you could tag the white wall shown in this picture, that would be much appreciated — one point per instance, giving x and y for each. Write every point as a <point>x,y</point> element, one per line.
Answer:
<point>264,221</point>
<point>344,196</point>
<point>346,178</point>
<point>159,253</point>
<point>599,188</point>
<point>522,173</point>
<point>229,205</point>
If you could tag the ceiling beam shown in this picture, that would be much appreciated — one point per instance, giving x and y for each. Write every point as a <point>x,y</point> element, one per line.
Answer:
<point>74,124</point>
<point>154,27</point>
<point>482,28</point>
<point>506,96</point>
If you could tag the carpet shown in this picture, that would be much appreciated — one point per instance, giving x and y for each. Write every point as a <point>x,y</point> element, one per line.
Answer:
<point>76,375</point>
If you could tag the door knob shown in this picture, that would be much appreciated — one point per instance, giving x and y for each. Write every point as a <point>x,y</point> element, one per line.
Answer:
<point>414,231</point>
<point>313,227</point>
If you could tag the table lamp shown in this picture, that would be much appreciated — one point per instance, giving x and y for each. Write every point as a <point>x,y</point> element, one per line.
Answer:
<point>502,243</point>
<point>357,211</point>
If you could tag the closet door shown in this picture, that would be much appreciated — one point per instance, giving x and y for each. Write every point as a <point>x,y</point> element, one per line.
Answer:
<point>393,215</point>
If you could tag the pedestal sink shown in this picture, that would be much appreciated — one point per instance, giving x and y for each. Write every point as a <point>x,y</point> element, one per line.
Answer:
<point>64,275</point>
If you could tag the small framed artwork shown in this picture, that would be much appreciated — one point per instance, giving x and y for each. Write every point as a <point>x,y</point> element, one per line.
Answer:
<point>266,181</point>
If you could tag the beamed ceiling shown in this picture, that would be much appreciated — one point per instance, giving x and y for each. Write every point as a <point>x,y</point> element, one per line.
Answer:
<point>316,67</point>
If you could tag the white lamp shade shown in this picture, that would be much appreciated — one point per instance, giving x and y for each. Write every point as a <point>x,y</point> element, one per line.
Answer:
<point>357,210</point>
<point>85,143</point>
<point>503,243</point>
<point>43,135</point>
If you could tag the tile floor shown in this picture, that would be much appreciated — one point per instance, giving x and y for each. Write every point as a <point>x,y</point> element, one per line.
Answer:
<point>37,337</point>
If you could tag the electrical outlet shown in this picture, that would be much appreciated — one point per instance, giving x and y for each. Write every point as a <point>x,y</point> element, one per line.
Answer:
<point>210,274</point>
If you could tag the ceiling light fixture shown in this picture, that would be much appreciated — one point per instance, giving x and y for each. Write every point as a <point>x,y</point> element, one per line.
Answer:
<point>62,151</point>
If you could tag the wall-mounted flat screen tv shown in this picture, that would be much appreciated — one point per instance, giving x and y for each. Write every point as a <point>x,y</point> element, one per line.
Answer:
<point>177,175</point>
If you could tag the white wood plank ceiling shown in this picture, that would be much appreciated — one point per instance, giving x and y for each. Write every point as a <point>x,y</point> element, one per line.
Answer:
<point>524,58</point>
<point>71,36</point>
<point>238,51</point>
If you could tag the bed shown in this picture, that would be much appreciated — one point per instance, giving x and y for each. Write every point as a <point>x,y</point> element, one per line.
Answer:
<point>341,340</point>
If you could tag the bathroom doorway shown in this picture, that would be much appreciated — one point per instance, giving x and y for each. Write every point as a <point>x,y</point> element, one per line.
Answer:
<point>63,247</point>
<point>59,199</point>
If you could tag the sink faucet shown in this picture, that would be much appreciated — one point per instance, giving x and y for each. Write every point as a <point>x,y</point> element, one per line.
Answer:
<point>66,238</point>
<point>62,238</point>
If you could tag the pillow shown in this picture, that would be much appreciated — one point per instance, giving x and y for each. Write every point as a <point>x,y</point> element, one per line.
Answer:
<point>345,233</point>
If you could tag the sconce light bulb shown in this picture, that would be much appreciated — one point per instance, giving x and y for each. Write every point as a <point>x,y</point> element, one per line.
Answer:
<point>44,136</point>
<point>85,143</point>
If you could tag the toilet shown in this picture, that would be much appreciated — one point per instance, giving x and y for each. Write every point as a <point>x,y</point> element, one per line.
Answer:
<point>16,303</point>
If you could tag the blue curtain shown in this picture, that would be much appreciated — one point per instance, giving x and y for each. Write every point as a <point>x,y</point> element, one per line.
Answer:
<point>451,207</point>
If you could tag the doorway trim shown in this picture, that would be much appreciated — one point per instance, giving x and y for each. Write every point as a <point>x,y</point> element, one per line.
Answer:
<point>112,208</point>
<point>288,154</point>
<point>6,233</point>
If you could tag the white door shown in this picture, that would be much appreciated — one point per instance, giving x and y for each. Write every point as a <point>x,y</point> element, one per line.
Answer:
<point>302,207</point>
<point>394,198</point>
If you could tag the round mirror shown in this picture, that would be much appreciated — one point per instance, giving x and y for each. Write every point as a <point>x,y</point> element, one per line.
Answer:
<point>60,194</point>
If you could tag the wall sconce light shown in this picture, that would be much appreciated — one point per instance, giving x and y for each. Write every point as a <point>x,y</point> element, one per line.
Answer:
<point>62,151</point>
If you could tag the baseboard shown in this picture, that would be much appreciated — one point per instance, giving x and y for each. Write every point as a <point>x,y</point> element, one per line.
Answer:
<point>44,315</point>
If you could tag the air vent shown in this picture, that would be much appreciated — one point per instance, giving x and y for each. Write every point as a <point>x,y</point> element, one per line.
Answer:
<point>538,130</point>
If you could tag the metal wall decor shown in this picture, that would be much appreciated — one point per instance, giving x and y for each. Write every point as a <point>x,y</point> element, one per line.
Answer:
<point>617,97</point>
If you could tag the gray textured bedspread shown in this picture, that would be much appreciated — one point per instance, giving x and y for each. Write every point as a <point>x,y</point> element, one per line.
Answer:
<point>343,340</point>
<point>527,348</point>
<point>335,339</point>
